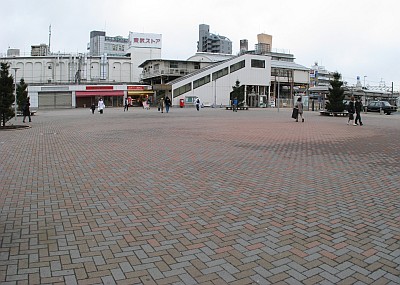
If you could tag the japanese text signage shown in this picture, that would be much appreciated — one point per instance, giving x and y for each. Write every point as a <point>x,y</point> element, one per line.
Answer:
<point>139,87</point>
<point>145,40</point>
<point>99,87</point>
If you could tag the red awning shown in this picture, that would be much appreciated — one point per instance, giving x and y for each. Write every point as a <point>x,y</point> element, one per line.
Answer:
<point>99,93</point>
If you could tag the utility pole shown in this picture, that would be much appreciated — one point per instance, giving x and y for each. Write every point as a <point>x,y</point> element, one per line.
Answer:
<point>392,92</point>
<point>49,37</point>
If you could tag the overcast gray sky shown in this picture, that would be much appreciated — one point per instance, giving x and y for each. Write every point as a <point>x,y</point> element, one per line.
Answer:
<point>353,37</point>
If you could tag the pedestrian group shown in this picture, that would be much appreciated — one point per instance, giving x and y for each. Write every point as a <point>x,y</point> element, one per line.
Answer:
<point>354,108</point>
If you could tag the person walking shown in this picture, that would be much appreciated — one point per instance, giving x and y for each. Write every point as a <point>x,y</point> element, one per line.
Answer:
<point>235,104</point>
<point>161,105</point>
<point>101,106</point>
<point>300,108</point>
<point>358,106</point>
<point>197,102</point>
<point>26,112</point>
<point>126,105</point>
<point>167,103</point>
<point>351,110</point>
<point>93,107</point>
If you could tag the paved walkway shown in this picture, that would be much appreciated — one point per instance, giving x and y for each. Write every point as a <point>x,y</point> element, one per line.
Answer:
<point>209,197</point>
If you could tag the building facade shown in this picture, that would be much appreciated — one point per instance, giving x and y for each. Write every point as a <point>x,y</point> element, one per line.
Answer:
<point>68,80</point>
<point>212,43</point>
<point>110,60</point>
<point>73,69</point>
<point>84,95</point>
<point>282,80</point>
<point>101,44</point>
<point>40,50</point>
<point>53,79</point>
<point>213,84</point>
<point>319,76</point>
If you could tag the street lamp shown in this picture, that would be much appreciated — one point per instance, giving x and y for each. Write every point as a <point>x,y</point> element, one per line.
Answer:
<point>15,104</point>
<point>364,80</point>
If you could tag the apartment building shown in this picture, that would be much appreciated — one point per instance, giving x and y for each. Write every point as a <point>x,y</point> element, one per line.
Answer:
<point>209,42</point>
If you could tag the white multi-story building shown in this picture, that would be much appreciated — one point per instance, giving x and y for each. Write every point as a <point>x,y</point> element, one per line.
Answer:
<point>110,59</point>
<point>73,69</point>
<point>213,84</point>
<point>319,76</point>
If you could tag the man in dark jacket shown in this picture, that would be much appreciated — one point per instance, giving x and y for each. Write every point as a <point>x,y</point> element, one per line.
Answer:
<point>167,103</point>
<point>358,107</point>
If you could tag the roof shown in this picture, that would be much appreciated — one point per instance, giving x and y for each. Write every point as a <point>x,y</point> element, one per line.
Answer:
<point>319,89</point>
<point>288,65</point>
<point>161,60</point>
<point>210,57</point>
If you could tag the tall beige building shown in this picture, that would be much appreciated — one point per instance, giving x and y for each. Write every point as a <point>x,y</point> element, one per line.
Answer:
<point>264,43</point>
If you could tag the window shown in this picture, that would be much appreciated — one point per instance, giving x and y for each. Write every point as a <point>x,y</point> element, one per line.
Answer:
<point>201,81</point>
<point>190,99</point>
<point>237,66</point>
<point>220,73</point>
<point>183,89</point>
<point>256,63</point>
<point>279,72</point>
<point>173,64</point>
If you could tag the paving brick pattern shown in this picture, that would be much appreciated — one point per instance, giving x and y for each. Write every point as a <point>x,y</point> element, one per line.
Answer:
<point>209,197</point>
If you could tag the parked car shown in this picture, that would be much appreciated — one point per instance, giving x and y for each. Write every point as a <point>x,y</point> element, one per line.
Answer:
<point>377,106</point>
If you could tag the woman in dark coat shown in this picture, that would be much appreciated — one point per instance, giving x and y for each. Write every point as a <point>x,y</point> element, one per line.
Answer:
<point>26,111</point>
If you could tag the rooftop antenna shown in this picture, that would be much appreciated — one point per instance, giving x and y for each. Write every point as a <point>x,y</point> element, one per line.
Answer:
<point>49,37</point>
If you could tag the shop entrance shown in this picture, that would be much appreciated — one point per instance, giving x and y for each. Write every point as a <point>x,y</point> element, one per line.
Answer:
<point>109,101</point>
<point>253,100</point>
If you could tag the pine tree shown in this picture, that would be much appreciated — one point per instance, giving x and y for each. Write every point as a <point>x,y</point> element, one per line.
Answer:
<point>238,91</point>
<point>6,94</point>
<point>22,94</point>
<point>336,95</point>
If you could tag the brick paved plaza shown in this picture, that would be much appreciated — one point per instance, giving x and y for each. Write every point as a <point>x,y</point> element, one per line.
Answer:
<point>209,197</point>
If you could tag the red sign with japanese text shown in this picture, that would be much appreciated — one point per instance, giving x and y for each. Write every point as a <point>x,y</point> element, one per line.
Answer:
<point>99,87</point>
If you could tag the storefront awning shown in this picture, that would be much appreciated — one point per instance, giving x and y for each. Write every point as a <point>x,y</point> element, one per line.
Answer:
<point>99,93</point>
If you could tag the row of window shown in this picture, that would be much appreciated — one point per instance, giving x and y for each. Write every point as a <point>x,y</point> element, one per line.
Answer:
<point>176,65</point>
<point>114,47</point>
<point>255,63</point>
<point>202,81</point>
<point>281,72</point>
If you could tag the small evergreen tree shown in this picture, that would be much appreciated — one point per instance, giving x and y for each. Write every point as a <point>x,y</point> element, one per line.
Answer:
<point>238,92</point>
<point>6,94</point>
<point>22,94</point>
<point>336,94</point>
